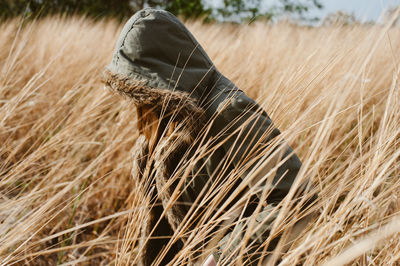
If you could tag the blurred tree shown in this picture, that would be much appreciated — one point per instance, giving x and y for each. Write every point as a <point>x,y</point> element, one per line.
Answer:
<point>340,18</point>
<point>392,14</point>
<point>238,10</point>
<point>185,8</point>
<point>40,8</point>
<point>229,10</point>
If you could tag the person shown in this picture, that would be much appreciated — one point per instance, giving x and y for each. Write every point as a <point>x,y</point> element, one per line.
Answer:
<point>198,132</point>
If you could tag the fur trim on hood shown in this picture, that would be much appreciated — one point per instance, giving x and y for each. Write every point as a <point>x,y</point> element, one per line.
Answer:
<point>176,103</point>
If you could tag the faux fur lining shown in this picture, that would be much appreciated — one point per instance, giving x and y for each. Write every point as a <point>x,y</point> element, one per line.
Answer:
<point>176,103</point>
<point>165,160</point>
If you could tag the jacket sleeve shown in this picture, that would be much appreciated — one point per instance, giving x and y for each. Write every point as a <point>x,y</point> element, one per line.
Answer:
<point>246,130</point>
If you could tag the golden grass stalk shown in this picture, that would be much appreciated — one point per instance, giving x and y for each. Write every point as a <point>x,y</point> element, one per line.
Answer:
<point>66,192</point>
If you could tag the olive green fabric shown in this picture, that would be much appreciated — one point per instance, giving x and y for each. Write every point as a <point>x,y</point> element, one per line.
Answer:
<point>155,46</point>
<point>156,49</point>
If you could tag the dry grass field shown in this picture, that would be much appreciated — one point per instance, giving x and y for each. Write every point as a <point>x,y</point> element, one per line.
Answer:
<point>66,193</point>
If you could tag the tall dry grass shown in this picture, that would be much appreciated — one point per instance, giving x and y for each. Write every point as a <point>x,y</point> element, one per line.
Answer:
<point>66,194</point>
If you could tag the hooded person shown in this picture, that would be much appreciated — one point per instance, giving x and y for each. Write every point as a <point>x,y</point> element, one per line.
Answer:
<point>183,105</point>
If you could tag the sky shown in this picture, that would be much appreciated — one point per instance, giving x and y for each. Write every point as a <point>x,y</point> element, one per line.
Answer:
<point>364,10</point>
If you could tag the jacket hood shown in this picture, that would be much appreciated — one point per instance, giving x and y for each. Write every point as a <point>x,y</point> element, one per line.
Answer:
<point>158,61</point>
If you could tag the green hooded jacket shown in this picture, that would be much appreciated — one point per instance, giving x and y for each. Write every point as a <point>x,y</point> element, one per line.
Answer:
<point>157,62</point>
